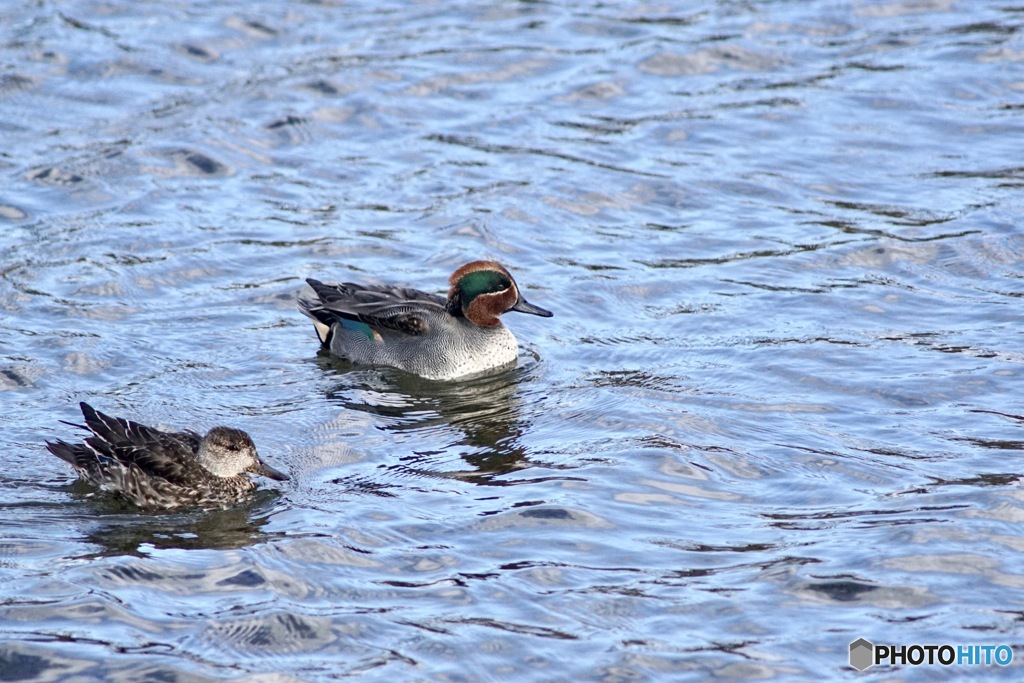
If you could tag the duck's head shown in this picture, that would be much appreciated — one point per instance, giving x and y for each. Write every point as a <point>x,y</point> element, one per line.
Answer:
<point>227,452</point>
<point>482,290</point>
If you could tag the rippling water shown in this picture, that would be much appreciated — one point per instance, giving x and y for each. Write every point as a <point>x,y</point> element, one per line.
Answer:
<point>778,407</point>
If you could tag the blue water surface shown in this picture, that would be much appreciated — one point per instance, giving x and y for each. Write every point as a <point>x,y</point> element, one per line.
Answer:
<point>778,407</point>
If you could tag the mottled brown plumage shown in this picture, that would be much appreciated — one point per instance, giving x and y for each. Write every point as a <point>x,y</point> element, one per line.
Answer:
<point>164,470</point>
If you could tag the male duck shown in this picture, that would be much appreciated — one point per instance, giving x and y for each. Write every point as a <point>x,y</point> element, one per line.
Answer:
<point>158,470</point>
<point>422,333</point>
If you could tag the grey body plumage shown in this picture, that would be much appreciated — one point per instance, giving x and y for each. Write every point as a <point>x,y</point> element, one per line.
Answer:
<point>426,334</point>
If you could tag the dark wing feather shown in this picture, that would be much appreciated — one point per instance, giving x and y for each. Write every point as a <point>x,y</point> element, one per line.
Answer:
<point>384,307</point>
<point>170,456</point>
<point>69,453</point>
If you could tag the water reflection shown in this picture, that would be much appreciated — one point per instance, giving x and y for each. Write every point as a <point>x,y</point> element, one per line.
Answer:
<point>480,417</point>
<point>120,530</point>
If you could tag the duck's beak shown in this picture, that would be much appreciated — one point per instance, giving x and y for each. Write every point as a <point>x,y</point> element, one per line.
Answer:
<point>266,470</point>
<point>524,306</point>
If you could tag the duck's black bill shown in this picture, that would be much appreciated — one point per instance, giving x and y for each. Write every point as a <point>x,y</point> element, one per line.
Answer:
<point>266,470</point>
<point>524,306</point>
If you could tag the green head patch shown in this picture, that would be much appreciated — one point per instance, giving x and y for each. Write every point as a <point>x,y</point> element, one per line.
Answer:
<point>480,282</point>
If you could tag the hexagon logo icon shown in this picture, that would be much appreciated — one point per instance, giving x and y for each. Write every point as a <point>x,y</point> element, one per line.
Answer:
<point>862,654</point>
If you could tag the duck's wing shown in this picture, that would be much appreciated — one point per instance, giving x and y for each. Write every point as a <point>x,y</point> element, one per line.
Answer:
<point>366,308</point>
<point>169,456</point>
<point>74,454</point>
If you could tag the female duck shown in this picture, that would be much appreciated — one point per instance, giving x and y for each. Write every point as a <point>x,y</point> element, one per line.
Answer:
<point>158,470</point>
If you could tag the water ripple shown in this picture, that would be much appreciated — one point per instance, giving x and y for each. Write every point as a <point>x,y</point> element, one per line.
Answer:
<point>782,245</point>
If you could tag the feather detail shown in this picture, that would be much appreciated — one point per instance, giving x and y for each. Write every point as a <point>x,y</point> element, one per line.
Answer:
<point>368,308</point>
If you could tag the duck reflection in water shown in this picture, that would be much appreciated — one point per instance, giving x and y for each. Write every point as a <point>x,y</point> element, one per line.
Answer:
<point>121,529</point>
<point>479,416</point>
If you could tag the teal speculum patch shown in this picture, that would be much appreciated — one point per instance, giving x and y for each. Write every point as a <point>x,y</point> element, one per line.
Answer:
<point>356,326</point>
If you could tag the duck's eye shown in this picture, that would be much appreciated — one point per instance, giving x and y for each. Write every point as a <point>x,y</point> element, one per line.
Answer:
<point>234,447</point>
